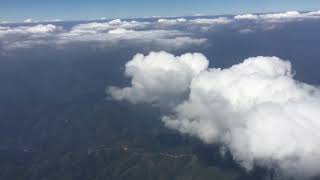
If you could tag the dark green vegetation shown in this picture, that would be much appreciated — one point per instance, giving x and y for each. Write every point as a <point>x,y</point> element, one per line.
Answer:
<point>106,140</point>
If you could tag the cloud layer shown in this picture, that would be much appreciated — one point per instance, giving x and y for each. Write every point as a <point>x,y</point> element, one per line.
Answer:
<point>203,21</point>
<point>164,33</point>
<point>256,108</point>
<point>285,16</point>
<point>111,32</point>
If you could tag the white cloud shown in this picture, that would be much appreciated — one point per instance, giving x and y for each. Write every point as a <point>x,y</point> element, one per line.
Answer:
<point>11,36</point>
<point>30,21</point>
<point>199,14</point>
<point>53,20</point>
<point>95,27</point>
<point>280,17</point>
<point>26,36</point>
<point>162,38</point>
<point>115,22</point>
<point>113,32</point>
<point>202,21</point>
<point>313,13</point>
<point>272,21</point>
<point>119,31</point>
<point>220,20</point>
<point>5,22</point>
<point>255,108</point>
<point>246,16</point>
<point>90,27</point>
<point>172,21</point>
<point>285,15</point>
<point>246,31</point>
<point>173,33</point>
<point>165,81</point>
<point>49,28</point>
<point>180,42</point>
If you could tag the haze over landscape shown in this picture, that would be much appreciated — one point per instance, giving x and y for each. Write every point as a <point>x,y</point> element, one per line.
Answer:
<point>185,95</point>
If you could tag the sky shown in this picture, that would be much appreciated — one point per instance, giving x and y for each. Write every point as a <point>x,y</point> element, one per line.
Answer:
<point>19,10</point>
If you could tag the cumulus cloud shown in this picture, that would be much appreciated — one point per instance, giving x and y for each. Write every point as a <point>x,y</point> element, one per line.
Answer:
<point>180,42</point>
<point>259,111</point>
<point>30,21</point>
<point>119,31</point>
<point>5,22</point>
<point>168,33</point>
<point>165,81</point>
<point>202,21</point>
<point>96,27</point>
<point>313,13</point>
<point>24,36</point>
<point>289,14</point>
<point>53,20</point>
<point>271,21</point>
<point>279,17</point>
<point>246,31</point>
<point>115,31</point>
<point>220,20</point>
<point>162,38</point>
<point>49,28</point>
<point>172,21</point>
<point>246,16</point>
<point>256,108</point>
<point>193,24</point>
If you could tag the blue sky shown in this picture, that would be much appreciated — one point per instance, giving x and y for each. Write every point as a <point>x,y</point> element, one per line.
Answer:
<point>18,10</point>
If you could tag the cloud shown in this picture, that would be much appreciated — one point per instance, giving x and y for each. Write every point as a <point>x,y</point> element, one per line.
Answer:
<point>26,36</point>
<point>53,20</point>
<point>96,27</point>
<point>181,42</point>
<point>193,25</point>
<point>42,29</point>
<point>246,31</point>
<point>165,81</point>
<point>256,108</point>
<point>119,31</point>
<point>285,15</point>
<point>172,21</point>
<point>162,38</point>
<point>246,16</point>
<point>280,17</point>
<point>220,20</point>
<point>5,22</point>
<point>164,33</point>
<point>313,13</point>
<point>199,21</point>
<point>115,31</point>
<point>30,21</point>
<point>271,21</point>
